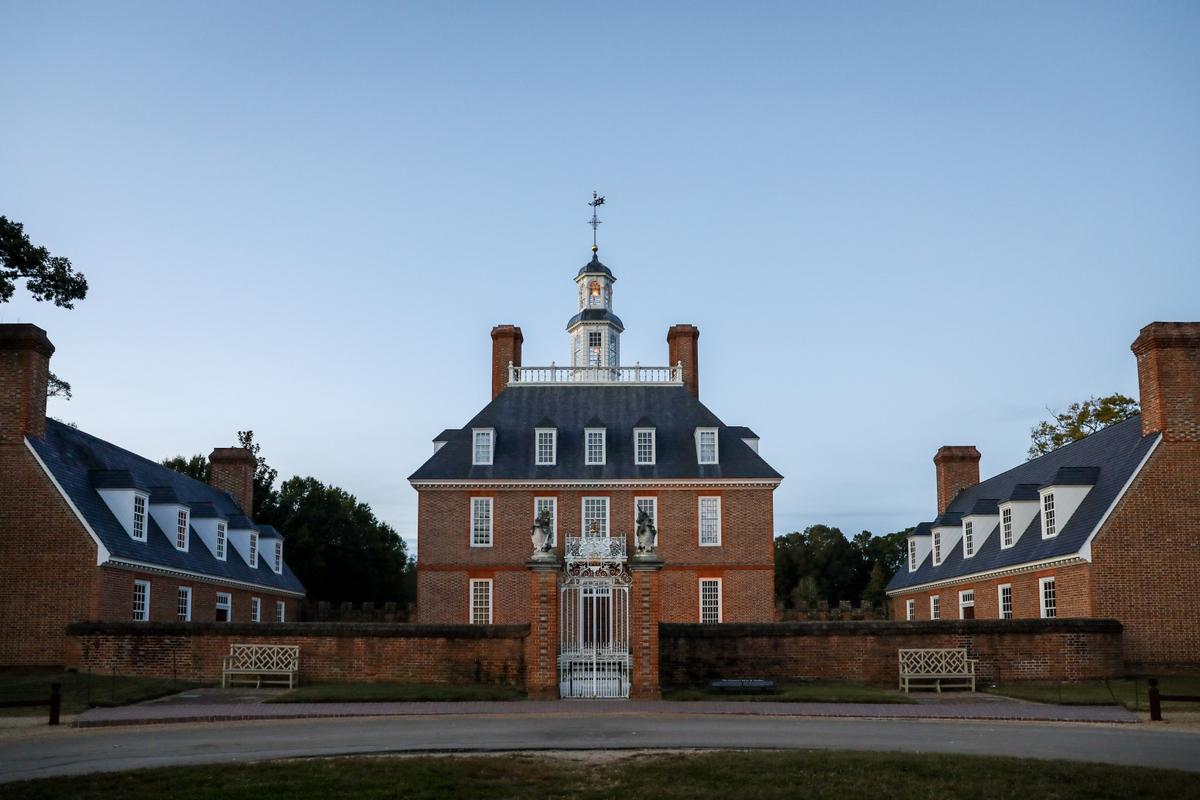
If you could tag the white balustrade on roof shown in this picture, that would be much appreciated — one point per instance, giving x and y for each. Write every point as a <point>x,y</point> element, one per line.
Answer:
<point>635,375</point>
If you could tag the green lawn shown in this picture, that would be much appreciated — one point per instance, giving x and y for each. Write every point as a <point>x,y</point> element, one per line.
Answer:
<point>1131,693</point>
<point>394,692</point>
<point>813,775</point>
<point>798,692</point>
<point>80,691</point>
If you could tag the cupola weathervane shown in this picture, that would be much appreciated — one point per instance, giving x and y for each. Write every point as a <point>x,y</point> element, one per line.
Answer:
<point>595,222</point>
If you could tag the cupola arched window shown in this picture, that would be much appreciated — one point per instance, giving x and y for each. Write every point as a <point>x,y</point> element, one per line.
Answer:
<point>595,295</point>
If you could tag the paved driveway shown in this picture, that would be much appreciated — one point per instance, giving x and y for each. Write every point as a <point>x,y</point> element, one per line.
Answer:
<point>77,751</point>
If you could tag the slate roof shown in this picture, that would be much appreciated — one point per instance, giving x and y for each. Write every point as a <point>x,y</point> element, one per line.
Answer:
<point>514,414</point>
<point>1108,458</point>
<point>595,267</point>
<point>76,458</point>
<point>595,315</point>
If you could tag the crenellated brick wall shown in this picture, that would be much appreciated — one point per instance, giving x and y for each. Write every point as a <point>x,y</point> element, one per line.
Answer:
<point>1008,650</point>
<point>458,654</point>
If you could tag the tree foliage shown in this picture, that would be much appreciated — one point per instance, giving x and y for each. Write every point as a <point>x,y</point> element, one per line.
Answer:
<point>195,467</point>
<point>1078,421</point>
<point>264,475</point>
<point>820,563</point>
<point>46,277</point>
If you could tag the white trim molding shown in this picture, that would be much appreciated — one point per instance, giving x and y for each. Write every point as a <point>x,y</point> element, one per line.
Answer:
<point>1016,569</point>
<point>141,566</point>
<point>679,483</point>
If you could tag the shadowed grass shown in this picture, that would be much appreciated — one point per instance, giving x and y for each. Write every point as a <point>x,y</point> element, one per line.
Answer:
<point>799,692</point>
<point>1133,694</point>
<point>812,775</point>
<point>80,691</point>
<point>395,693</point>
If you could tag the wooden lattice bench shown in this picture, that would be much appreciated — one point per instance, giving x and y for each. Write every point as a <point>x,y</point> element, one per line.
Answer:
<point>949,668</point>
<point>265,663</point>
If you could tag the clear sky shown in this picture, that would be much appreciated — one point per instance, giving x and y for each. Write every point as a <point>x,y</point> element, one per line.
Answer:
<point>897,225</point>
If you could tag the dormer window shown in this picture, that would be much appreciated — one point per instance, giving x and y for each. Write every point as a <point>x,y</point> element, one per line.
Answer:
<point>220,540</point>
<point>937,548</point>
<point>595,441</point>
<point>968,538</point>
<point>278,557</point>
<point>546,447</point>
<point>139,517</point>
<point>253,552</point>
<point>1048,525</point>
<point>484,441</point>
<point>1006,527</point>
<point>706,446</point>
<point>181,530</point>
<point>643,446</point>
<point>912,555</point>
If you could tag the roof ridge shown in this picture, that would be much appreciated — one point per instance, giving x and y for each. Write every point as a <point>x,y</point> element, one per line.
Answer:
<point>1057,450</point>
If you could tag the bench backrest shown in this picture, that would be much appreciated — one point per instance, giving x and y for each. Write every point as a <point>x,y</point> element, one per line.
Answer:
<point>266,657</point>
<point>933,662</point>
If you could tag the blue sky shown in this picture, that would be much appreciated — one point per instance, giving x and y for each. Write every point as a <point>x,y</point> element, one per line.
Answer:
<point>897,225</point>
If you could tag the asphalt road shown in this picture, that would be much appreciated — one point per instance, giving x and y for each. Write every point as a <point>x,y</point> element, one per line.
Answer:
<point>79,751</point>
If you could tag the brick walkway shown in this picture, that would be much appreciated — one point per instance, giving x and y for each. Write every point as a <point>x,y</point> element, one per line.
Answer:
<point>208,708</point>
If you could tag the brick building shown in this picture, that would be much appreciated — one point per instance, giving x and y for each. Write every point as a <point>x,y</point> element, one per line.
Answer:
<point>1108,526</point>
<point>654,509</point>
<point>89,531</point>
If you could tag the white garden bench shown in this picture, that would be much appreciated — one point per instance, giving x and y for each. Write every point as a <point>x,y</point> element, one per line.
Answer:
<point>265,663</point>
<point>949,668</point>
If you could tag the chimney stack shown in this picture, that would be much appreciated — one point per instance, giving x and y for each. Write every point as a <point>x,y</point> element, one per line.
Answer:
<point>24,374</point>
<point>231,469</point>
<point>506,348</point>
<point>682,348</point>
<point>1168,360</point>
<point>957,469</point>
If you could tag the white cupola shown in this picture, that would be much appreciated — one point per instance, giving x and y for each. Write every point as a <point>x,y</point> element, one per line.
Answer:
<point>595,330</point>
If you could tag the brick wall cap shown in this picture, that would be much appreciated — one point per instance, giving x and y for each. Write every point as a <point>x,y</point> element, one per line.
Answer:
<point>508,330</point>
<point>25,336</point>
<point>956,452</point>
<point>681,329</point>
<point>887,628</point>
<point>232,455</point>
<point>1167,334</point>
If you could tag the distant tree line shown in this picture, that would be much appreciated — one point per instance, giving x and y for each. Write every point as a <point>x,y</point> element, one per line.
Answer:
<point>820,563</point>
<point>333,542</point>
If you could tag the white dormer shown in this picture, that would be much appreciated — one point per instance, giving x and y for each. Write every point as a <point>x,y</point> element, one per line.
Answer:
<point>270,548</point>
<point>483,446</point>
<point>645,446</point>
<point>1016,513</point>
<point>595,446</point>
<point>244,539</point>
<point>1061,496</point>
<point>130,507</point>
<point>440,440</point>
<point>919,547</point>
<point>277,556</point>
<point>978,525</point>
<point>751,442</point>
<point>706,446</point>
<point>945,535</point>
<point>212,528</point>
<point>172,515</point>
<point>545,446</point>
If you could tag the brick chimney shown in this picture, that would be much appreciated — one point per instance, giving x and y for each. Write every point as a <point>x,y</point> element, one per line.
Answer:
<point>682,347</point>
<point>506,347</point>
<point>231,469</point>
<point>24,372</point>
<point>1168,360</point>
<point>957,469</point>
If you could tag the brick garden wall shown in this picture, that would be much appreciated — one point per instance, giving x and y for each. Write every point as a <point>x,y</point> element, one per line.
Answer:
<point>1008,650</point>
<point>459,654</point>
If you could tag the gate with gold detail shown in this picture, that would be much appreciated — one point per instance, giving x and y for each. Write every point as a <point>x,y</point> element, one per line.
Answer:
<point>593,654</point>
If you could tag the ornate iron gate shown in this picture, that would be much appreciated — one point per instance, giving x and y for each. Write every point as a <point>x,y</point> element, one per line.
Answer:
<point>593,653</point>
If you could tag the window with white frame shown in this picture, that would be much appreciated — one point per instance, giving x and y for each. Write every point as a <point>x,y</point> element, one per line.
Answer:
<point>546,447</point>
<point>280,611</point>
<point>224,607</point>
<point>710,521</point>
<point>1004,600</point>
<point>183,604</point>
<point>643,446</point>
<point>935,607</point>
<point>481,601</point>
<point>181,530</point>
<point>968,538</point>
<point>278,556</point>
<point>220,541</point>
<point>710,600</point>
<point>550,504</point>
<point>481,522</point>
<point>966,604</point>
<point>595,348</point>
<point>595,516</point>
<point>255,609</point>
<point>1006,528</point>
<point>1048,525</point>
<point>910,609</point>
<point>594,448</point>
<point>650,506</point>
<point>937,548</point>
<point>706,446</point>
<point>483,441</point>
<point>139,518</point>
<point>912,554</point>
<point>141,601</point>
<point>1049,598</point>
<point>253,549</point>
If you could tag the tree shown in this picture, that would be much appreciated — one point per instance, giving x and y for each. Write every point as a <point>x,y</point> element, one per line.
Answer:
<point>822,564</point>
<point>1078,421</point>
<point>195,467</point>
<point>264,475</point>
<point>46,277</point>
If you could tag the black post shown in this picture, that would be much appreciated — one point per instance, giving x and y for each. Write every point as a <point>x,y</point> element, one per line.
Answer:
<point>1155,702</point>
<point>55,702</point>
